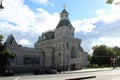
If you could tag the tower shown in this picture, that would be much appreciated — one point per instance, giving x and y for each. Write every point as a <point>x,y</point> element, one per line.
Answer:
<point>64,27</point>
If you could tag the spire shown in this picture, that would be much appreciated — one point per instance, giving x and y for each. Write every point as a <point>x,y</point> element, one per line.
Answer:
<point>64,18</point>
<point>64,6</point>
<point>64,14</point>
<point>64,10</point>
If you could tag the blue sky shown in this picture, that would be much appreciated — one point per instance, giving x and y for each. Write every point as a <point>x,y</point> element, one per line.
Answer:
<point>95,22</point>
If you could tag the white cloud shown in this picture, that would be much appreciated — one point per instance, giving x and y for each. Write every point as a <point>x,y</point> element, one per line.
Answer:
<point>45,21</point>
<point>84,25</point>
<point>116,1</point>
<point>19,18</point>
<point>109,41</point>
<point>27,26</point>
<point>103,29</point>
<point>100,12</point>
<point>24,42</point>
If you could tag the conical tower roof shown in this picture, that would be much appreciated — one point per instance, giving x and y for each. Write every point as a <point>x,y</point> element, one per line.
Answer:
<point>64,21</point>
<point>64,11</point>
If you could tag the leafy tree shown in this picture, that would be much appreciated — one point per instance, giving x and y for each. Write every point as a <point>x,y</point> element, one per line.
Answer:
<point>102,55</point>
<point>109,1</point>
<point>117,50</point>
<point>89,57</point>
<point>5,55</point>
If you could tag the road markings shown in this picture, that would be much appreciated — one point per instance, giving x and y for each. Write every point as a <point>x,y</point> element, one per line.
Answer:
<point>17,78</point>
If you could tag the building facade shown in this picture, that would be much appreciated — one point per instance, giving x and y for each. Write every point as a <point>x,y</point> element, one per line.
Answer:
<point>61,48</point>
<point>54,49</point>
<point>24,55</point>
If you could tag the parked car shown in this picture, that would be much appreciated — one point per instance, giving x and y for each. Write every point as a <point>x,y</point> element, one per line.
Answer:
<point>45,71</point>
<point>7,73</point>
<point>50,71</point>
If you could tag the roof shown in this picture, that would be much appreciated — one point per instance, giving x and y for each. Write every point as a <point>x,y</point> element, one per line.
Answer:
<point>46,36</point>
<point>10,39</point>
<point>49,35</point>
<point>64,11</point>
<point>63,22</point>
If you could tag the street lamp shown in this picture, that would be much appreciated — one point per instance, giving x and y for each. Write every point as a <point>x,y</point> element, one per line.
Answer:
<point>1,7</point>
<point>113,61</point>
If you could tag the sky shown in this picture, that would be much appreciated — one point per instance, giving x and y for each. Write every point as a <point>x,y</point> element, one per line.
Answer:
<point>95,22</point>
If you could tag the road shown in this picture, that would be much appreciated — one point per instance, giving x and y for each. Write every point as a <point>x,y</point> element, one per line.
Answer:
<point>101,74</point>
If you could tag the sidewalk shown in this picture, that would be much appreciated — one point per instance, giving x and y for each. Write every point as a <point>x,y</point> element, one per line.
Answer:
<point>88,70</point>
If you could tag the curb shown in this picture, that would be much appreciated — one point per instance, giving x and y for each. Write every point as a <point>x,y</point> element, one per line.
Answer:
<point>79,78</point>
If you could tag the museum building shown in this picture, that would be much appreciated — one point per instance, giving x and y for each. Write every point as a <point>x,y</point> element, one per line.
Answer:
<point>54,49</point>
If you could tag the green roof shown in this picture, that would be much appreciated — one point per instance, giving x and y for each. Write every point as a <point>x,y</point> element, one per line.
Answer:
<point>49,35</point>
<point>46,36</point>
<point>64,11</point>
<point>63,22</point>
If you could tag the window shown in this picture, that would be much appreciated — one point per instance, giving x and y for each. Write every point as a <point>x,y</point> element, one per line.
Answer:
<point>67,33</point>
<point>67,44</point>
<point>73,52</point>
<point>29,60</point>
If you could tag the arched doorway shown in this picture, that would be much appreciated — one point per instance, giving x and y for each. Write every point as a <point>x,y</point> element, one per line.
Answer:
<point>73,66</point>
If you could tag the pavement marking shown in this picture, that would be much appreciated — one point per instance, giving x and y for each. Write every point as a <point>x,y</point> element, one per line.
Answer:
<point>17,78</point>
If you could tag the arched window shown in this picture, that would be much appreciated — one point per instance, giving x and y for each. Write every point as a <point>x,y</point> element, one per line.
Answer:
<point>67,33</point>
<point>73,52</point>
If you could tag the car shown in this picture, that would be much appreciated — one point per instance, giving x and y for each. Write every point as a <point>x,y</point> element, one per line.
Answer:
<point>50,71</point>
<point>7,72</point>
<point>44,71</point>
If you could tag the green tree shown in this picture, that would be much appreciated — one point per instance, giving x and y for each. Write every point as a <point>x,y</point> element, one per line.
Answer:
<point>117,50</point>
<point>5,55</point>
<point>111,2</point>
<point>102,55</point>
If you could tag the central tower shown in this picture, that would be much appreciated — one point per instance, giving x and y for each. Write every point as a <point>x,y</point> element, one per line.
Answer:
<point>64,27</point>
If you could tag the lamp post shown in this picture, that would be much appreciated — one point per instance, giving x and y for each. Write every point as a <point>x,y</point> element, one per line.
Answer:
<point>113,61</point>
<point>1,7</point>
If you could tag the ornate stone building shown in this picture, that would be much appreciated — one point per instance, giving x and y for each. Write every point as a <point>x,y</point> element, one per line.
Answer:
<point>61,48</point>
<point>54,49</point>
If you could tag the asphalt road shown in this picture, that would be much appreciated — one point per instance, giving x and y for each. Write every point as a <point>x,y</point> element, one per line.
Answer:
<point>101,74</point>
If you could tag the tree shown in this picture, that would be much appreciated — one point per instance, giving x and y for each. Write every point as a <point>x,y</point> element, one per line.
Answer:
<point>5,55</point>
<point>102,55</point>
<point>111,2</point>
<point>117,50</point>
